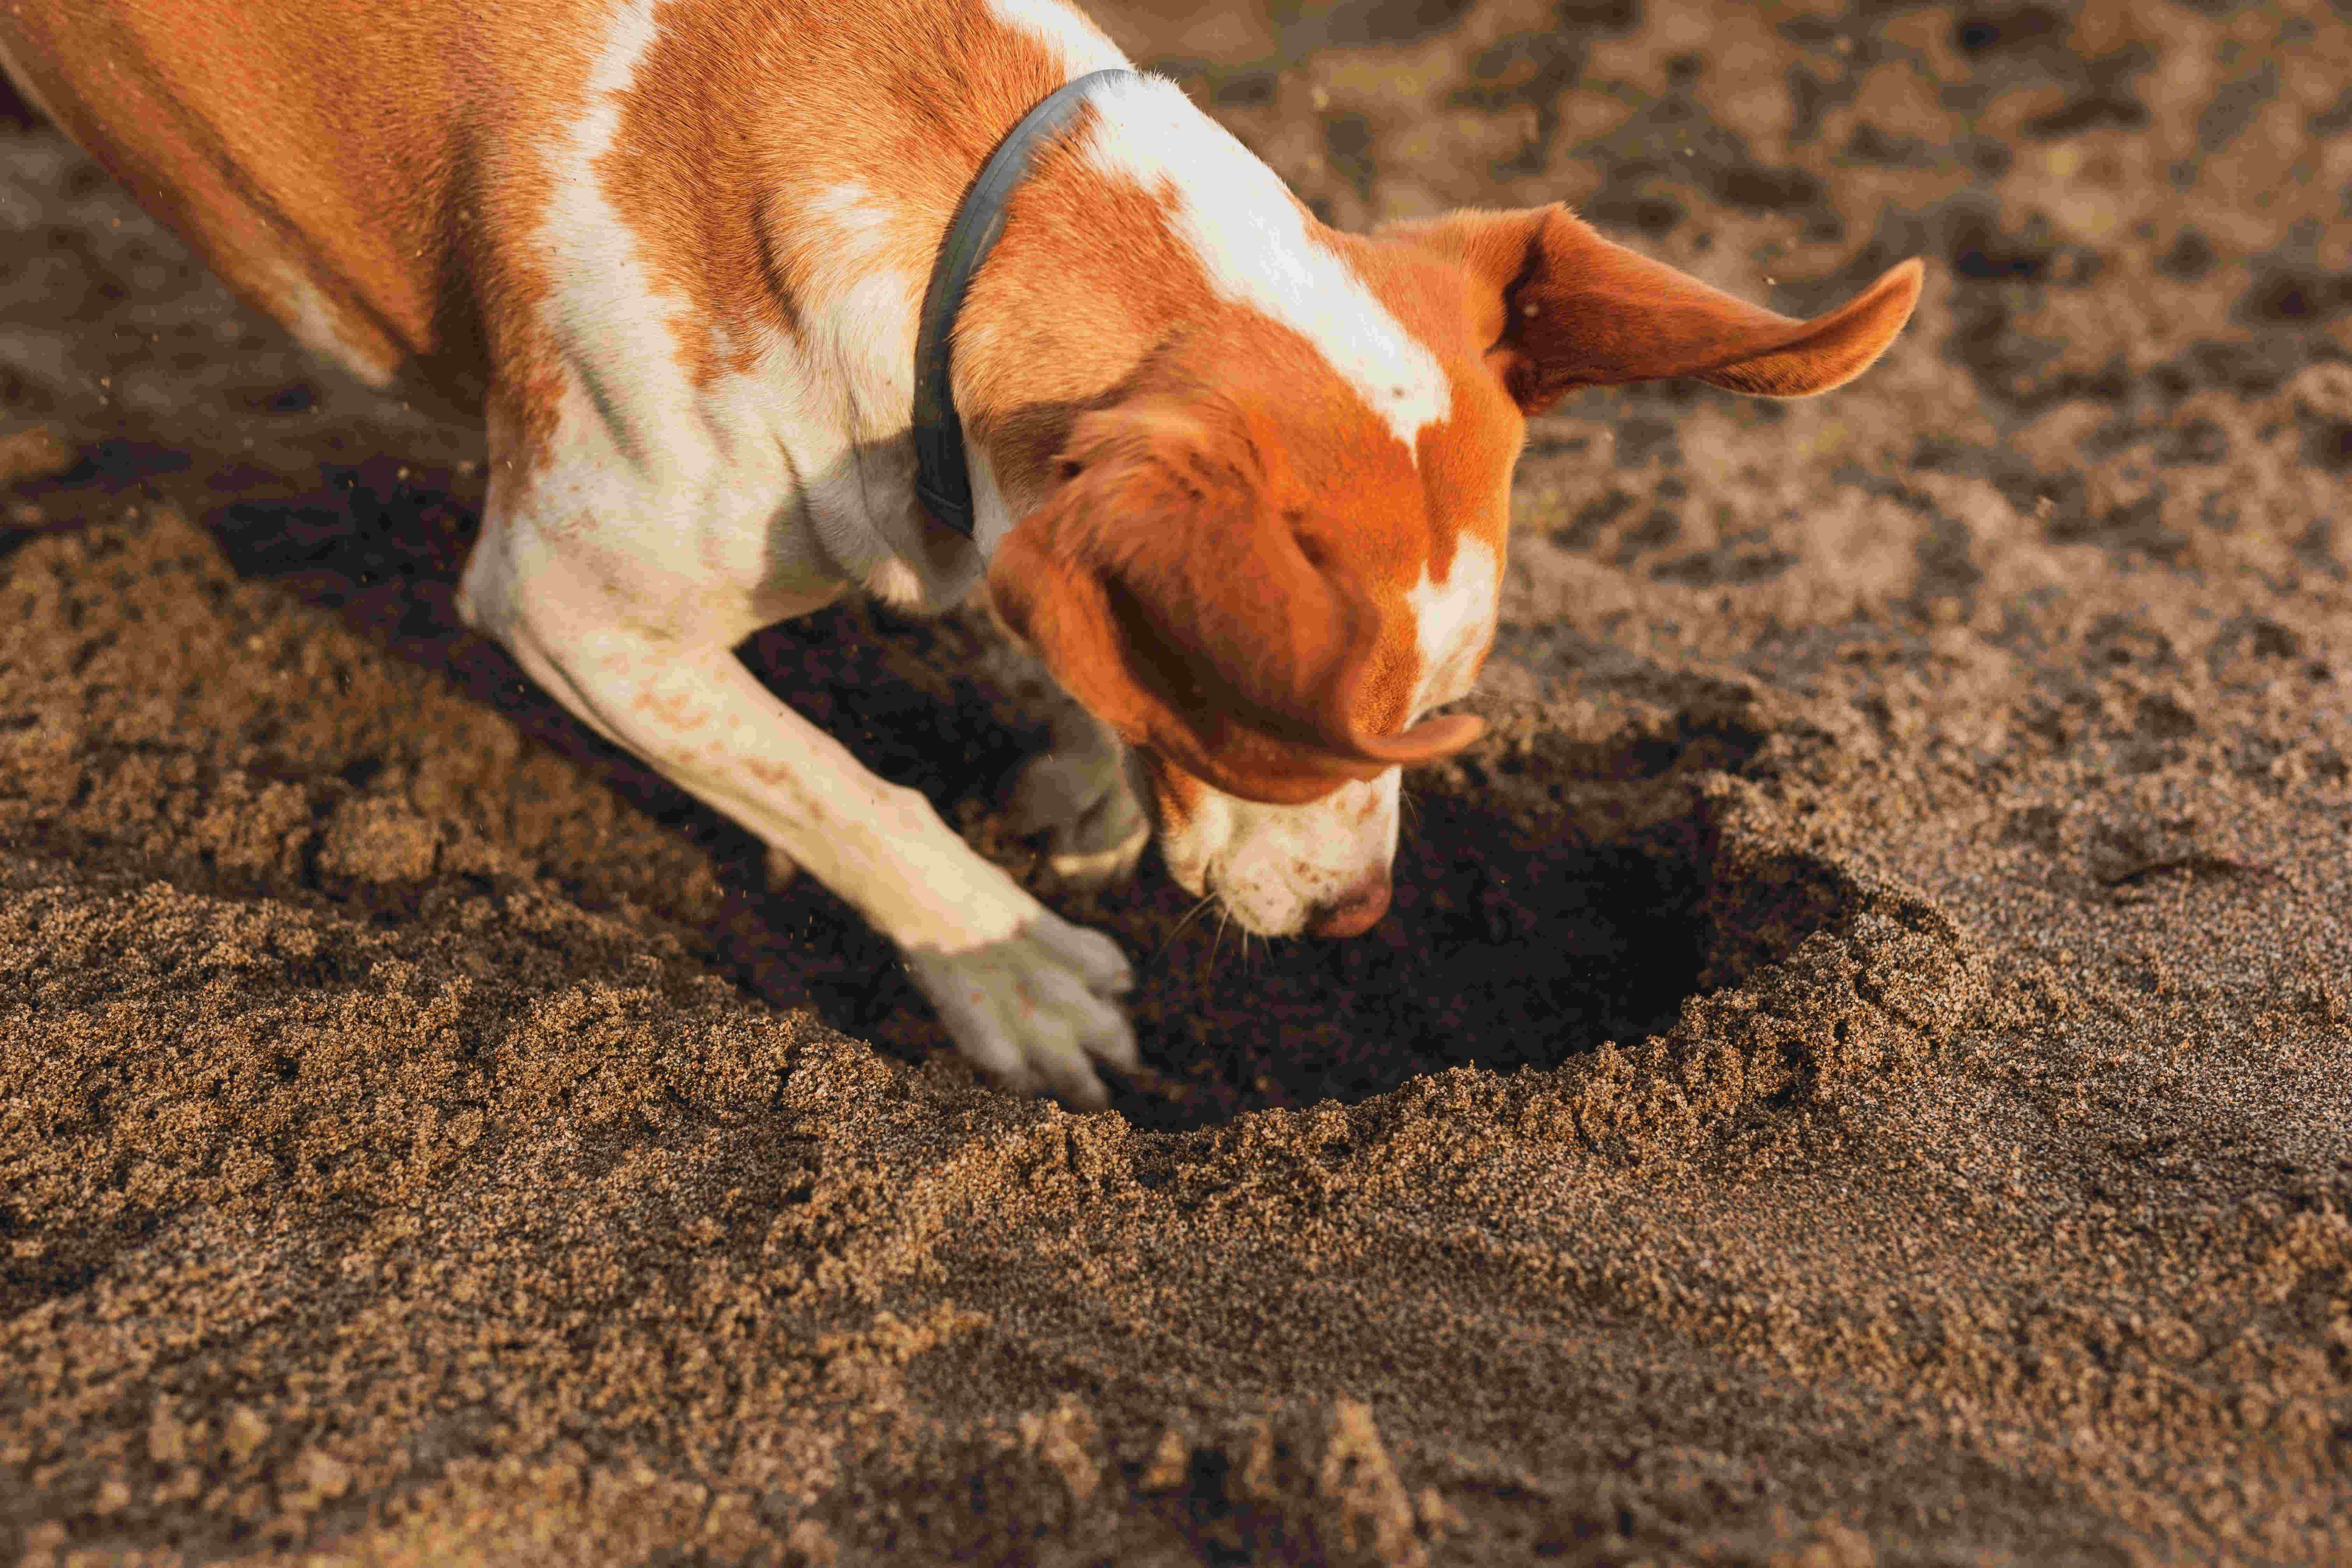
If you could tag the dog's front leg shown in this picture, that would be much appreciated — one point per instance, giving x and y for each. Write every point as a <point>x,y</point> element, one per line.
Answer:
<point>1029,997</point>
<point>1076,795</point>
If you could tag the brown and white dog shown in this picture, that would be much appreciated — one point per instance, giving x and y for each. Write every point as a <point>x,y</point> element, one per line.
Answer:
<point>1242,482</point>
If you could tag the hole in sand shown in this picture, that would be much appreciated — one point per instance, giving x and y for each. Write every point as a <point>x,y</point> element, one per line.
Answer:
<point>1555,903</point>
<point>1510,944</point>
<point>1518,938</point>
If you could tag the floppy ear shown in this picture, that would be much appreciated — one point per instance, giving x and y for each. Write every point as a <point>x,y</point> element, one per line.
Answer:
<point>1164,587</point>
<point>1580,311</point>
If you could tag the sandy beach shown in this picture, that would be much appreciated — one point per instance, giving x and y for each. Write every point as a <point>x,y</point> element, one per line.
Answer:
<point>1859,1071</point>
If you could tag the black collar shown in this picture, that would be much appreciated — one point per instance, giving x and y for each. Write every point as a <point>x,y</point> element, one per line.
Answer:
<point>942,481</point>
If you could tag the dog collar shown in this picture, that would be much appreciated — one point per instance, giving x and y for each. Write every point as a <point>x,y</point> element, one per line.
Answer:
<point>942,478</point>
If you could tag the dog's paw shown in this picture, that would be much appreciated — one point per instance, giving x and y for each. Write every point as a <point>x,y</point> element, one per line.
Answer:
<point>1079,799</point>
<point>1037,1010</point>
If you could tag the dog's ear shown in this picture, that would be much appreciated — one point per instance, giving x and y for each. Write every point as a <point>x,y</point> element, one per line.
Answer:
<point>1165,586</point>
<point>1580,311</point>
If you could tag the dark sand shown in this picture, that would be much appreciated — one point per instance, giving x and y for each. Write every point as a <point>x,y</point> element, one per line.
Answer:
<point>1861,1069</point>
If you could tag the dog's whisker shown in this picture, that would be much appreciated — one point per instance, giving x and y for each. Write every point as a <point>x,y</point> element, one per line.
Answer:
<point>1185,922</point>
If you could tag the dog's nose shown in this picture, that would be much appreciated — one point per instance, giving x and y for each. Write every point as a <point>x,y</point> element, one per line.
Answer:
<point>1356,912</point>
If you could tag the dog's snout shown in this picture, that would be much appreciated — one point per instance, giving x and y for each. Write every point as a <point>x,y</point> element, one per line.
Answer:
<point>1354,912</point>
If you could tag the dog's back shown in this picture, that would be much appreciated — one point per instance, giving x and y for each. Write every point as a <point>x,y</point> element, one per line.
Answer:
<point>317,177</point>
<point>382,179</point>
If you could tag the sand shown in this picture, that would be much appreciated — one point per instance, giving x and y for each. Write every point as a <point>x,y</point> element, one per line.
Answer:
<point>1860,1070</point>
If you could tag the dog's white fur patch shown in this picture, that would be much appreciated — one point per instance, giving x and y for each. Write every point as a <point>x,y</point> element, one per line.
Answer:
<point>1066,30</point>
<point>318,325</point>
<point>855,459</point>
<point>1251,237</point>
<point>618,342</point>
<point>1274,867</point>
<point>991,515</point>
<point>868,309</point>
<point>1451,620</point>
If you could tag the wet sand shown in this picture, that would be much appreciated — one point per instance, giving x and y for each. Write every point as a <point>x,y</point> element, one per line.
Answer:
<point>1860,1070</point>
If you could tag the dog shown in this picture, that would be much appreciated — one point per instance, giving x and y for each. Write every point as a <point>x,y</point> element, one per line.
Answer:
<point>1241,482</point>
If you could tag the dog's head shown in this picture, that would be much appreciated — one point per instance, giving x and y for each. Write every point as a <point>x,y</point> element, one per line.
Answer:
<point>1249,569</point>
